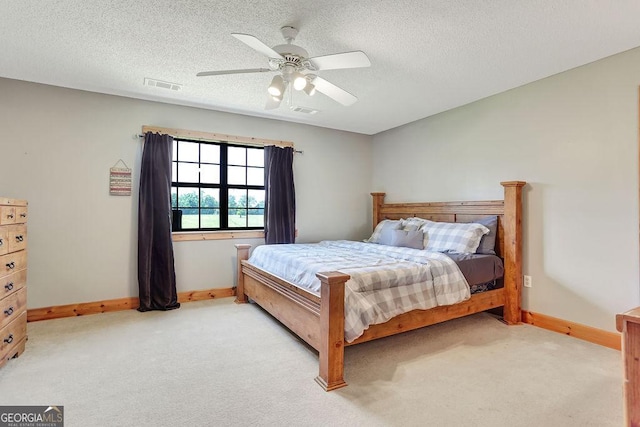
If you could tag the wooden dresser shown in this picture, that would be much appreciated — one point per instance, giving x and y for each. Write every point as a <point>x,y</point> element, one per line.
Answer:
<point>629,324</point>
<point>13,278</point>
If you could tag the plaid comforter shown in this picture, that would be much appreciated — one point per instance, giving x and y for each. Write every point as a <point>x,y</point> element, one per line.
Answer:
<point>385,280</point>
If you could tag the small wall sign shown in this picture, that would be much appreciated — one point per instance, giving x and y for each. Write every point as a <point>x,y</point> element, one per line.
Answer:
<point>120,179</point>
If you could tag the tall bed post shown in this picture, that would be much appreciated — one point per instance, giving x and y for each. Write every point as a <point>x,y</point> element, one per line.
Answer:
<point>242,255</point>
<point>331,345</point>
<point>378,201</point>
<point>512,251</point>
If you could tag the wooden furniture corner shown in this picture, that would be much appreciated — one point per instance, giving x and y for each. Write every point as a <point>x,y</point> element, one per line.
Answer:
<point>629,324</point>
<point>242,254</point>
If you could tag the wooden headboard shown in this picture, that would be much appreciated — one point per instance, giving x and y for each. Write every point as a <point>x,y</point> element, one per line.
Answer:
<point>509,234</point>
<point>468,211</point>
<point>442,212</point>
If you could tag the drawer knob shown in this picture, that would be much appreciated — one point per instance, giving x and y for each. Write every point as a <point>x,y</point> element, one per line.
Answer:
<point>23,215</point>
<point>9,339</point>
<point>10,216</point>
<point>9,286</point>
<point>9,311</point>
<point>19,238</point>
<point>11,265</point>
<point>1,242</point>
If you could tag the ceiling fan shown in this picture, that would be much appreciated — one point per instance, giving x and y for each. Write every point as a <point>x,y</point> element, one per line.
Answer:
<point>297,69</point>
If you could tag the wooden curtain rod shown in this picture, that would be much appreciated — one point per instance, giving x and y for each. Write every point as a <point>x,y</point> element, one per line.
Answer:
<point>209,136</point>
<point>141,135</point>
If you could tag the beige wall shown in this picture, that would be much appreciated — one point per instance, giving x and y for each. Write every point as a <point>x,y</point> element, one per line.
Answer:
<point>56,150</point>
<point>574,138</point>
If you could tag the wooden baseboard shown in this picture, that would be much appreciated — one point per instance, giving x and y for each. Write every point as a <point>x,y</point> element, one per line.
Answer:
<point>85,308</point>
<point>576,330</point>
<point>206,294</point>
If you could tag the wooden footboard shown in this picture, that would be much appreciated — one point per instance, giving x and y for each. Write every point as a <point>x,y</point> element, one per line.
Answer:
<point>320,320</point>
<point>317,320</point>
<point>420,318</point>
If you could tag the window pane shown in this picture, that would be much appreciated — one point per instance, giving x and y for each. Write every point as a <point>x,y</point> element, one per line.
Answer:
<point>209,153</point>
<point>237,198</point>
<point>188,151</point>
<point>174,197</point>
<point>188,203</point>
<point>255,176</point>
<point>238,218</point>
<point>174,153</point>
<point>174,171</point>
<point>190,219</point>
<point>236,175</point>
<point>256,218</point>
<point>237,156</point>
<point>210,218</point>
<point>188,198</point>
<point>210,198</point>
<point>255,157</point>
<point>188,172</point>
<point>210,174</point>
<point>256,199</point>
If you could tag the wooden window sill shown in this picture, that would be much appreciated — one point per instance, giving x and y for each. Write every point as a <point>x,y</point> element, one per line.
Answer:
<point>185,236</point>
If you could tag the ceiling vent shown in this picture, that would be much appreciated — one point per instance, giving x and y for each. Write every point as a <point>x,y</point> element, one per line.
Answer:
<point>162,85</point>
<point>305,110</point>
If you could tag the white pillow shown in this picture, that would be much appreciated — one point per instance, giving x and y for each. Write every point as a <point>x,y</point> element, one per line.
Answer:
<point>463,238</point>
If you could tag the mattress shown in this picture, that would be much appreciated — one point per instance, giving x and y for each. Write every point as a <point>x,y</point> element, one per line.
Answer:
<point>479,268</point>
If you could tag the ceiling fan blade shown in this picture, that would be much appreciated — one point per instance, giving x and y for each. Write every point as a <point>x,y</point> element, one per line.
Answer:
<point>220,73</point>
<point>357,59</point>
<point>256,44</point>
<point>334,92</point>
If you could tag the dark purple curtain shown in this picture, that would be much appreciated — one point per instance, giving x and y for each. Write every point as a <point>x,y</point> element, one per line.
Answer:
<point>280,200</point>
<point>156,273</point>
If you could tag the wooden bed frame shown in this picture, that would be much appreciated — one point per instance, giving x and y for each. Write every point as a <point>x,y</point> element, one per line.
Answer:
<point>320,320</point>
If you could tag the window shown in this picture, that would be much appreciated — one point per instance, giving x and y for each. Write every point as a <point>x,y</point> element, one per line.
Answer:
<point>216,186</point>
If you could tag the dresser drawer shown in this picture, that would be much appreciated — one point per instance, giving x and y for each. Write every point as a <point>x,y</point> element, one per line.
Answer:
<point>17,238</point>
<point>7,215</point>
<point>12,263</point>
<point>12,338</point>
<point>12,283</point>
<point>21,214</point>
<point>4,239</point>
<point>12,307</point>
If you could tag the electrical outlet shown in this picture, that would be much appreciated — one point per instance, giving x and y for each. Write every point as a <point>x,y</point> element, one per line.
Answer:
<point>527,281</point>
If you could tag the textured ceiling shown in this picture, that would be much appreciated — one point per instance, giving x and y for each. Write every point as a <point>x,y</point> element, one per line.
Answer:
<point>427,56</point>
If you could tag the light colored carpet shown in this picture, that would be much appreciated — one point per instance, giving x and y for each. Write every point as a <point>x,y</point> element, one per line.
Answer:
<point>215,363</point>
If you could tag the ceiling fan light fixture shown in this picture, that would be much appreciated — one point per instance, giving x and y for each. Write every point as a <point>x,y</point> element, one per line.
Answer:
<point>299,80</point>
<point>276,88</point>
<point>310,89</point>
